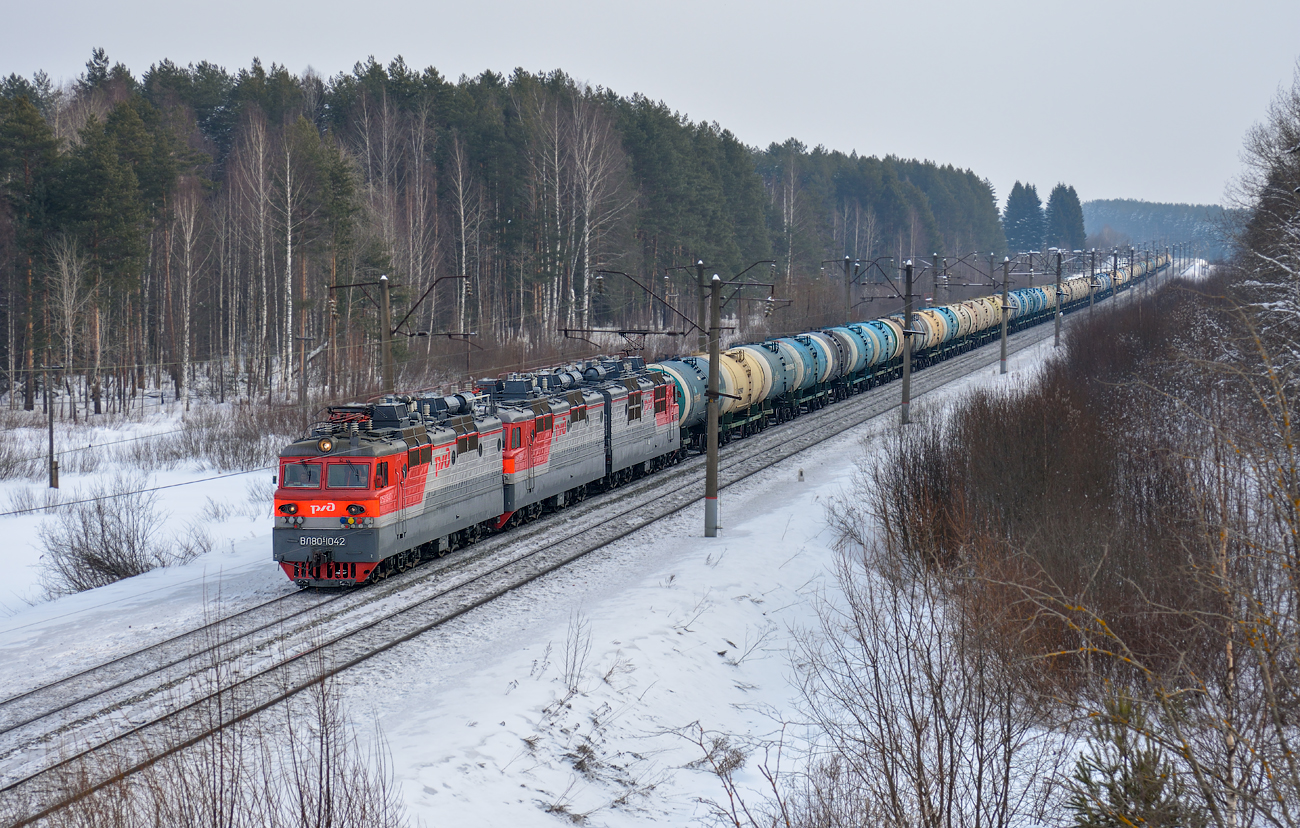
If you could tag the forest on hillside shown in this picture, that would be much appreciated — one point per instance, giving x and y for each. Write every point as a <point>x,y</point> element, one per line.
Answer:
<point>1119,221</point>
<point>188,227</point>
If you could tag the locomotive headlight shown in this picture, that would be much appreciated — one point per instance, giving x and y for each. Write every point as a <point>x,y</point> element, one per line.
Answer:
<point>325,444</point>
<point>289,508</point>
<point>356,509</point>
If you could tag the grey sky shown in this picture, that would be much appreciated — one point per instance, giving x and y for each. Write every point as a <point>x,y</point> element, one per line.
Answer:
<point>1120,99</point>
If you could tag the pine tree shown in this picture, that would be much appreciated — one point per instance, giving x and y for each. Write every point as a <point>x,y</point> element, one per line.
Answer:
<point>1124,779</point>
<point>1065,219</point>
<point>1023,218</point>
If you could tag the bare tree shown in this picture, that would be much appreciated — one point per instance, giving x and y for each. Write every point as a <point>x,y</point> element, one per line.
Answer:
<point>257,187</point>
<point>189,218</point>
<point>467,213</point>
<point>924,717</point>
<point>70,268</point>
<point>600,198</point>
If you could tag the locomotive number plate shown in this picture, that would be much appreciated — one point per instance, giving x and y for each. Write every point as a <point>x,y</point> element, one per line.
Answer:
<point>308,541</point>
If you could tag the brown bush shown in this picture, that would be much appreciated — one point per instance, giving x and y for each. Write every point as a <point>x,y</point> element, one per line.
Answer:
<point>1078,485</point>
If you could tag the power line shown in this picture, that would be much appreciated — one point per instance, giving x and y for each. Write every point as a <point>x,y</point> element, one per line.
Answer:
<point>128,494</point>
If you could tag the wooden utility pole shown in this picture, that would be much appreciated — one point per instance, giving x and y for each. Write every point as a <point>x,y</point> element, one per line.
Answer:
<point>54,462</point>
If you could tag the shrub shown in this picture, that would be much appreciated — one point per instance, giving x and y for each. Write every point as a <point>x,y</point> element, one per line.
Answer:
<point>104,537</point>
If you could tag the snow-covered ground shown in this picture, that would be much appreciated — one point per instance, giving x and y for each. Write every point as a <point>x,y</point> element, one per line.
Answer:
<point>577,695</point>
<point>572,696</point>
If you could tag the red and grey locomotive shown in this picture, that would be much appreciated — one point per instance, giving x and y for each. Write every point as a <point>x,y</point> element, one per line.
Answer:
<point>378,487</point>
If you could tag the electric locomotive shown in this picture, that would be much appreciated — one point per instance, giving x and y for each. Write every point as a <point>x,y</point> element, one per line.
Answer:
<point>378,487</point>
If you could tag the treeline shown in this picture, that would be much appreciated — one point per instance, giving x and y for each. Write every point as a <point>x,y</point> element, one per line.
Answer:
<point>1032,226</point>
<point>185,227</point>
<point>1119,221</point>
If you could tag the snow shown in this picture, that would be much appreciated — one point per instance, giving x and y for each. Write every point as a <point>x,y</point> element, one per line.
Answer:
<point>570,696</point>
<point>683,631</point>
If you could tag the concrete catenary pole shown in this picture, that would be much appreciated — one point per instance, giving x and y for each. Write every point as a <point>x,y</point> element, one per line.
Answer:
<point>848,292</point>
<point>386,333</point>
<point>934,294</point>
<point>1006,310</point>
<point>1057,342</point>
<point>702,314</point>
<point>904,412</point>
<point>1092,281</point>
<point>711,464</point>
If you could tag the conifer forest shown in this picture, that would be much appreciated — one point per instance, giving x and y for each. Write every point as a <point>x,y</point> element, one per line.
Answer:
<point>193,228</point>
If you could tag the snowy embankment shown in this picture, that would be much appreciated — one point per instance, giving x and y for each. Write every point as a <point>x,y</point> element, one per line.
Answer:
<point>575,695</point>
<point>578,695</point>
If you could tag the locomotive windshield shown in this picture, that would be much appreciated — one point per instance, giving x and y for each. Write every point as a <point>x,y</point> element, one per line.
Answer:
<point>349,475</point>
<point>301,476</point>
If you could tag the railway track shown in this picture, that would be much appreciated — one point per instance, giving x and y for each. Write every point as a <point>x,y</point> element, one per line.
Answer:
<point>163,698</point>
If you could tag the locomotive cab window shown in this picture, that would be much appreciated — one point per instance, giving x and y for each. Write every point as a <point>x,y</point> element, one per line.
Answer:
<point>381,475</point>
<point>348,475</point>
<point>300,476</point>
<point>514,436</point>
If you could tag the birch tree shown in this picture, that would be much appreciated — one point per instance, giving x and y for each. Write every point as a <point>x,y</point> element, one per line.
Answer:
<point>599,174</point>
<point>467,213</point>
<point>70,268</point>
<point>190,235</point>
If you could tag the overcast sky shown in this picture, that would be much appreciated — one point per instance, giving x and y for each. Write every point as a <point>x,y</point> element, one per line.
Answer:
<point>1144,99</point>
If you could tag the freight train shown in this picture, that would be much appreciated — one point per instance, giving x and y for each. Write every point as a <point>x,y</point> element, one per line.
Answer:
<point>378,487</point>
